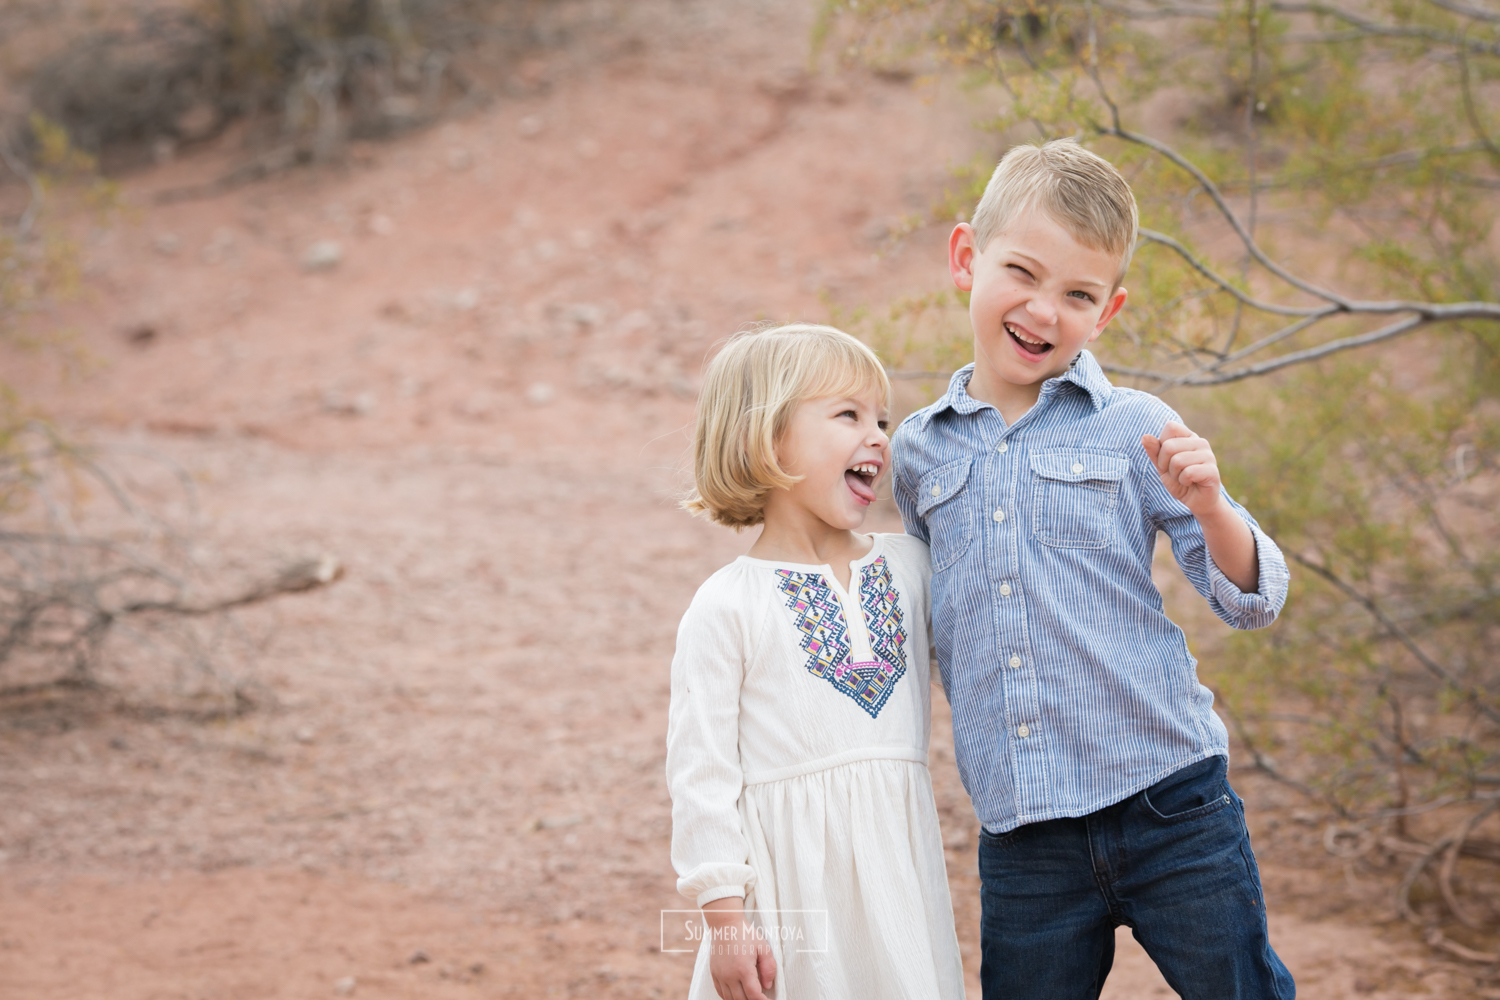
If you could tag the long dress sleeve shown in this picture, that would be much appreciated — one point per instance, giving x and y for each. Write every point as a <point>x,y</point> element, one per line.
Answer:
<point>704,775</point>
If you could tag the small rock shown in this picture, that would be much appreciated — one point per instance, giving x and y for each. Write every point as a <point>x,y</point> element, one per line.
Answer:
<point>587,148</point>
<point>167,244</point>
<point>531,126</point>
<point>459,159</point>
<point>555,822</point>
<point>141,335</point>
<point>381,225</point>
<point>306,734</point>
<point>540,394</point>
<point>465,299</point>
<point>583,316</point>
<point>418,957</point>
<point>361,405</point>
<point>323,255</point>
<point>345,986</point>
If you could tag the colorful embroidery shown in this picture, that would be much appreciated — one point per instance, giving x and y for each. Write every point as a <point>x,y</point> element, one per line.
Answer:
<point>819,616</point>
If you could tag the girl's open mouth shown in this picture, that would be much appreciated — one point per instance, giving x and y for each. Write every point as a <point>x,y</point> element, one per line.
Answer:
<point>1027,343</point>
<point>861,481</point>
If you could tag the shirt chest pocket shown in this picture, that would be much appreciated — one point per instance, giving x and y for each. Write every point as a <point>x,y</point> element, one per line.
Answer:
<point>1075,496</point>
<point>945,510</point>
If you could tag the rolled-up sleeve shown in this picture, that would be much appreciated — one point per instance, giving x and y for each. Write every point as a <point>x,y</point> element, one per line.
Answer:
<point>704,777</point>
<point>1234,607</point>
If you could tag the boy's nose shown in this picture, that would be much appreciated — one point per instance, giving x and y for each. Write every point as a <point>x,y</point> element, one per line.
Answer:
<point>1042,309</point>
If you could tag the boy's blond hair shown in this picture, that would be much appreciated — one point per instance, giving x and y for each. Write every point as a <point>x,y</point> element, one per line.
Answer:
<point>1079,190</point>
<point>749,393</point>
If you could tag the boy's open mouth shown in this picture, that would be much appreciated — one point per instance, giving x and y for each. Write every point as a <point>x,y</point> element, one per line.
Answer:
<point>861,480</point>
<point>1029,344</point>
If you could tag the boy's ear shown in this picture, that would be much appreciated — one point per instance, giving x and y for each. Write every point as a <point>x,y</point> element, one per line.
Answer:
<point>1111,310</point>
<point>961,252</point>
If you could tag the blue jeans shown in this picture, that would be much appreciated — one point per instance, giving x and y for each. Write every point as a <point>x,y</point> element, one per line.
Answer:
<point>1172,863</point>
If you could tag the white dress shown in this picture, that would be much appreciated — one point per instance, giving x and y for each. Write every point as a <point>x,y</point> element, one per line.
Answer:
<point>797,762</point>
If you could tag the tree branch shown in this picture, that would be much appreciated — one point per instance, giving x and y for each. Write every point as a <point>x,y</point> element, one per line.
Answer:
<point>1475,695</point>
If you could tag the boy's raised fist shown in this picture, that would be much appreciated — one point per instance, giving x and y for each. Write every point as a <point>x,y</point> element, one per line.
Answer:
<point>1186,464</point>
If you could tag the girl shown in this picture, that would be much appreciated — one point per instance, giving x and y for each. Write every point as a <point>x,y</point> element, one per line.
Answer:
<point>803,820</point>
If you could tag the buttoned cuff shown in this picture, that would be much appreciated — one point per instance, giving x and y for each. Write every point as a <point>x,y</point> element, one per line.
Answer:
<point>1260,607</point>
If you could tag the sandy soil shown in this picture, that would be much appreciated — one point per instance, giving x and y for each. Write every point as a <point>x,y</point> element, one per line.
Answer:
<point>454,784</point>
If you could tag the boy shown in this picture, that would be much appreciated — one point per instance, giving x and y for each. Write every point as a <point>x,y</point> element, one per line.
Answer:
<point>1092,754</point>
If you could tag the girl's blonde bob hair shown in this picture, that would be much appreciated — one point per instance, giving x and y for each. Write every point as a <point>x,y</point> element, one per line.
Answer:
<point>749,392</point>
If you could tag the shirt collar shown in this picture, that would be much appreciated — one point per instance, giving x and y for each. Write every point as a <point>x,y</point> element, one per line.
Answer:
<point>1084,373</point>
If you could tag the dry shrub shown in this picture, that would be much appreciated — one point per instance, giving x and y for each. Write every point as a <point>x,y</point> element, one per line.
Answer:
<point>310,74</point>
<point>104,581</point>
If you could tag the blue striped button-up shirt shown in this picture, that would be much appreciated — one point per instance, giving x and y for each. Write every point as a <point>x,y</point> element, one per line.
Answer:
<point>1071,689</point>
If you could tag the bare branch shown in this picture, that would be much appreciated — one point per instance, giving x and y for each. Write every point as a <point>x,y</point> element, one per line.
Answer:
<point>1212,190</point>
<point>1152,236</point>
<point>1362,26</point>
<point>1470,111</point>
<point>1463,9</point>
<point>307,574</point>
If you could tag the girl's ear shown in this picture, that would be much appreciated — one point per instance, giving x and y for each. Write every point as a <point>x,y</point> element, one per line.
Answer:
<point>961,251</point>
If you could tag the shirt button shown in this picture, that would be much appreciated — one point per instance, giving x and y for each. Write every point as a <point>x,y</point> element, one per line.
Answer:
<point>1077,468</point>
<point>1005,590</point>
<point>1022,732</point>
<point>937,490</point>
<point>1003,448</point>
<point>999,514</point>
<point>1015,661</point>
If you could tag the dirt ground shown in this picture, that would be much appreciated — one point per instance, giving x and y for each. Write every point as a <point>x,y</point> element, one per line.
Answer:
<point>453,785</point>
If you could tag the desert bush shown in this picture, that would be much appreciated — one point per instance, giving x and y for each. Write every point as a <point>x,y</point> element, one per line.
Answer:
<point>1318,200</point>
<point>311,74</point>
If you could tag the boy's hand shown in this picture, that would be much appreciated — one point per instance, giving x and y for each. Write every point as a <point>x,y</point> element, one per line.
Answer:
<point>1187,467</point>
<point>740,961</point>
<point>1189,471</point>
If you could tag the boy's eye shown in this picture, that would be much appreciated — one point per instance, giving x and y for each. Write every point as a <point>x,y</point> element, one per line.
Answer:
<point>1018,267</point>
<point>1085,296</point>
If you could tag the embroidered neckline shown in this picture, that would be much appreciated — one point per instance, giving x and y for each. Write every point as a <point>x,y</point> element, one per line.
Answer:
<point>818,615</point>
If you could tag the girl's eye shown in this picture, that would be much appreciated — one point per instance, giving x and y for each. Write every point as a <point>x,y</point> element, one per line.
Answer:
<point>884,425</point>
<point>849,413</point>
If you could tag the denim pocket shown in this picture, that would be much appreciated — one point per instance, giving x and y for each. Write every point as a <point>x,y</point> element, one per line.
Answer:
<point>1192,792</point>
<point>942,505</point>
<point>1075,495</point>
<point>999,841</point>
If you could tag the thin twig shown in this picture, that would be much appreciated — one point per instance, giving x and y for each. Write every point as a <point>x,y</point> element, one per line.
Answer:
<point>1470,110</point>
<point>34,206</point>
<point>1401,635</point>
